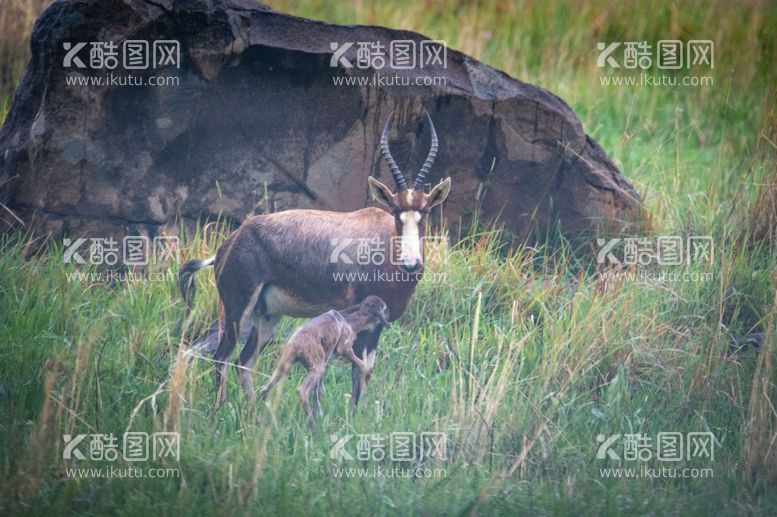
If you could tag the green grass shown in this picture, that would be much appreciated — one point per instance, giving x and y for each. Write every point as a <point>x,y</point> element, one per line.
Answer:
<point>522,381</point>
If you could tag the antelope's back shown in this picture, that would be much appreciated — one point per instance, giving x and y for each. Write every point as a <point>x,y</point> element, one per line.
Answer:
<point>313,260</point>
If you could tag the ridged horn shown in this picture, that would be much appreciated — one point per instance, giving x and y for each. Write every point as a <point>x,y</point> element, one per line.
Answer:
<point>399,180</point>
<point>420,180</point>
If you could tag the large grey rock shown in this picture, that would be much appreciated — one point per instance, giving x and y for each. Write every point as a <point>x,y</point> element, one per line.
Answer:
<point>256,123</point>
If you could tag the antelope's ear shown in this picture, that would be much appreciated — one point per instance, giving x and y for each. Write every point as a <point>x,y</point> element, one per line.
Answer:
<point>380,192</point>
<point>438,194</point>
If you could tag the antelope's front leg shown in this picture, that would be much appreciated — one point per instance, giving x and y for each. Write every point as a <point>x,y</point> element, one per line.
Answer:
<point>369,362</point>
<point>365,344</point>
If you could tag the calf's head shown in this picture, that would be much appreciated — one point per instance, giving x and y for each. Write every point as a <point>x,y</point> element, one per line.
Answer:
<point>376,307</point>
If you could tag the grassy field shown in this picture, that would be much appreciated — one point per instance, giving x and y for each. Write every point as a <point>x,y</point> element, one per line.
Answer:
<point>522,358</point>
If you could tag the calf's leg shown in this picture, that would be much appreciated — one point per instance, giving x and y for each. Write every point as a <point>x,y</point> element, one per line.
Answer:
<point>310,382</point>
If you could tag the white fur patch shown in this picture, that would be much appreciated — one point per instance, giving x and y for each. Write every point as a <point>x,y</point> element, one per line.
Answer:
<point>370,359</point>
<point>411,240</point>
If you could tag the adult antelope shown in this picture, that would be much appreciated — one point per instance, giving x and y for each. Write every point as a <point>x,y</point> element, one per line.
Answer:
<point>302,263</point>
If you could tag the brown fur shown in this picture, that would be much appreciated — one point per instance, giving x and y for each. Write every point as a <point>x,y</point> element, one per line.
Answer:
<point>331,333</point>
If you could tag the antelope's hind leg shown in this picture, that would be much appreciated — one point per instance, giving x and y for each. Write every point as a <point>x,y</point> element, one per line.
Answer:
<point>238,302</point>
<point>262,331</point>
<point>226,346</point>
<point>245,363</point>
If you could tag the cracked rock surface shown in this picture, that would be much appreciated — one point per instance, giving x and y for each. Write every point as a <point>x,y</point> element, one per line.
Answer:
<point>254,122</point>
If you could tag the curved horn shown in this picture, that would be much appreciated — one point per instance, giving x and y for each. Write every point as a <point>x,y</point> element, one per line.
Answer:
<point>384,150</point>
<point>420,180</point>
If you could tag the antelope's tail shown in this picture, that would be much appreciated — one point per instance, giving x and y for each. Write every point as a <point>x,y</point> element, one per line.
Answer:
<point>186,281</point>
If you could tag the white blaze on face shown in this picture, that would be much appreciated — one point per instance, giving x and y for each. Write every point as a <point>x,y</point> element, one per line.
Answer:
<point>411,240</point>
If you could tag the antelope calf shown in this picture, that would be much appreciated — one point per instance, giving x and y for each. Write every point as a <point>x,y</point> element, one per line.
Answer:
<point>282,264</point>
<point>314,343</point>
